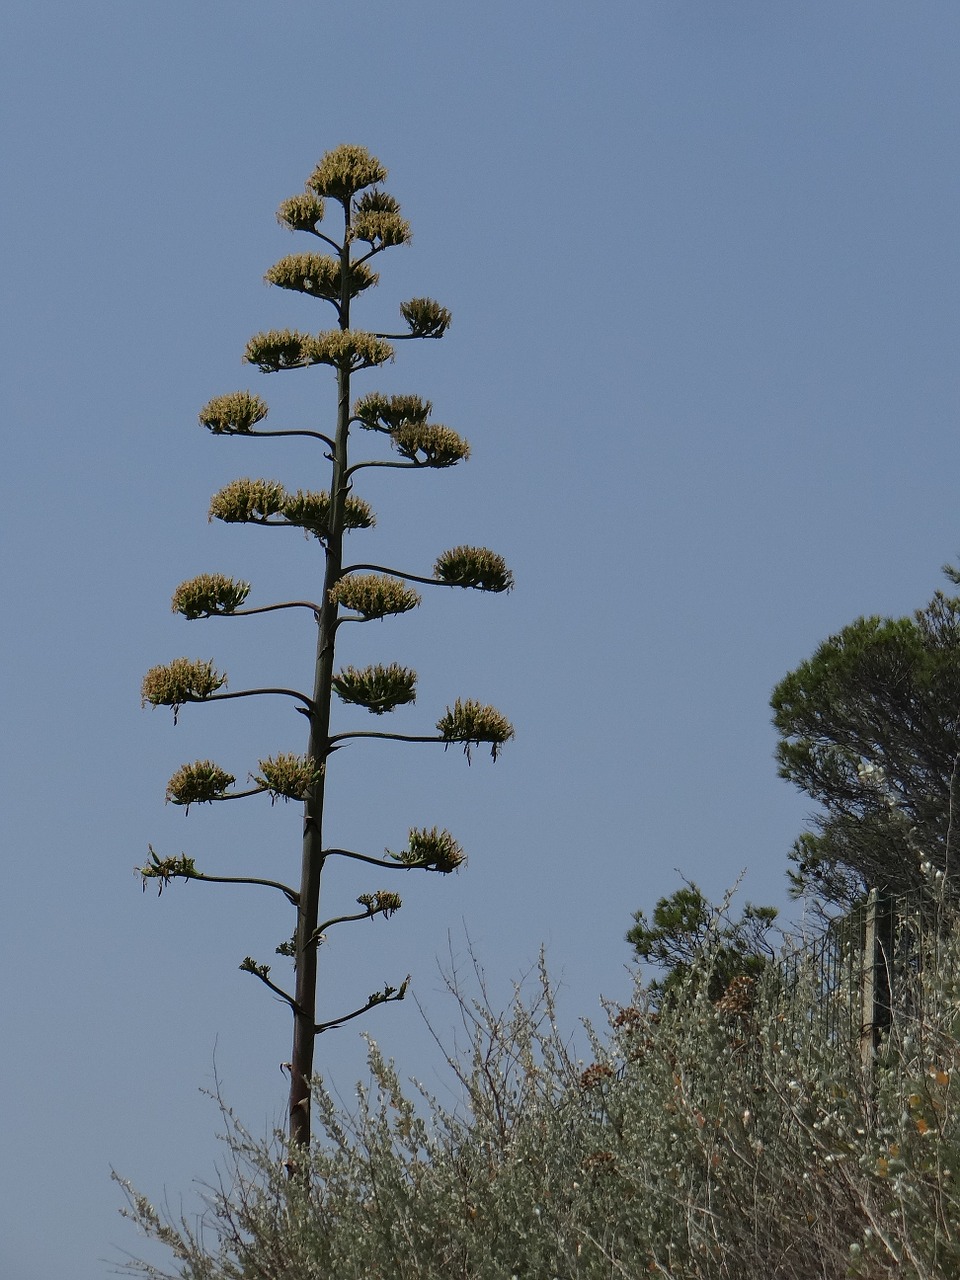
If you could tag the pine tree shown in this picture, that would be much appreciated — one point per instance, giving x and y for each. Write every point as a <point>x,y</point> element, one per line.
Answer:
<point>870,728</point>
<point>351,179</point>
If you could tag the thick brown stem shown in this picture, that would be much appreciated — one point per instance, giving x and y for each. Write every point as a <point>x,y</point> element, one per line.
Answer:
<point>305,1013</point>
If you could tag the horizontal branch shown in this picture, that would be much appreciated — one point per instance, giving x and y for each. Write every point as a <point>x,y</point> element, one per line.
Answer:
<point>228,795</point>
<point>166,869</point>
<point>391,863</point>
<point>385,462</point>
<point>317,936</point>
<point>299,431</point>
<point>254,693</point>
<point>395,737</point>
<point>398,573</point>
<point>290,894</point>
<point>386,996</point>
<point>264,608</point>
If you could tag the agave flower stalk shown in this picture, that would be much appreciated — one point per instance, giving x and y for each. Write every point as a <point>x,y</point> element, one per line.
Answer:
<point>369,223</point>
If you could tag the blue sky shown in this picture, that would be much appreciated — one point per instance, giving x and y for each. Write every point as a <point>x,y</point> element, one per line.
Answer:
<point>702,260</point>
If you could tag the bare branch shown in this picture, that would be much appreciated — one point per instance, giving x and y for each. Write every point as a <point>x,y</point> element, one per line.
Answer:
<point>253,693</point>
<point>397,573</point>
<point>261,971</point>
<point>386,996</point>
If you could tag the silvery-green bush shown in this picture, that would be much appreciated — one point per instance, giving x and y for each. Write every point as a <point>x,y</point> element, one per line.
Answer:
<point>708,1139</point>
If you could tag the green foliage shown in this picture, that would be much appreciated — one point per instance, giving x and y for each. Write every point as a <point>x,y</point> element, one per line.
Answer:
<point>475,567</point>
<point>434,849</point>
<point>233,414</point>
<point>686,930</point>
<point>344,171</point>
<point>374,595</point>
<point>870,728</point>
<point>472,723</point>
<point>426,318</point>
<point>320,275</point>
<point>199,783</point>
<point>180,681</point>
<point>209,594</point>
<point>287,776</point>
<point>378,688</point>
<point>692,1144</point>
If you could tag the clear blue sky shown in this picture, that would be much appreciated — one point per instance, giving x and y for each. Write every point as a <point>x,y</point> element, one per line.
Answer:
<point>703,265</point>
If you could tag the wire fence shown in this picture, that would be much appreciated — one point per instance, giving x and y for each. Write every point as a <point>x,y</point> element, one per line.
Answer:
<point>881,970</point>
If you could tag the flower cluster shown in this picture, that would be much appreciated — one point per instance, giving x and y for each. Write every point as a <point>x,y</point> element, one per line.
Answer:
<point>374,595</point>
<point>209,594</point>
<point>475,567</point>
<point>287,776</point>
<point>433,849</point>
<point>378,688</point>
<point>199,783</point>
<point>471,723</point>
<point>321,275</point>
<point>180,681</point>
<point>233,414</point>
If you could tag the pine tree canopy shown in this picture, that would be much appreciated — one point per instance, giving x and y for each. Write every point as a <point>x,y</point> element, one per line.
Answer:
<point>870,729</point>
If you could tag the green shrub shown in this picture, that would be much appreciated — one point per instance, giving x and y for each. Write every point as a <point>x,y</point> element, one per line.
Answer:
<point>708,1139</point>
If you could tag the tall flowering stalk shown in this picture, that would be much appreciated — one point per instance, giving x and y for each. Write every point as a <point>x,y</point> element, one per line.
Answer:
<point>370,223</point>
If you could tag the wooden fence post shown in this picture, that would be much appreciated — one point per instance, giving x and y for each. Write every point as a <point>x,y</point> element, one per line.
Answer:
<point>877,976</point>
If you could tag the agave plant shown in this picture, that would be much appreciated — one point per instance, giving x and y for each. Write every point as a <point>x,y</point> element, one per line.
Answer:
<point>367,222</point>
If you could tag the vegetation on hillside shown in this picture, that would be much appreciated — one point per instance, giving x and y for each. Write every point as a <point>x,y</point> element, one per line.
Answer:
<point>730,1139</point>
